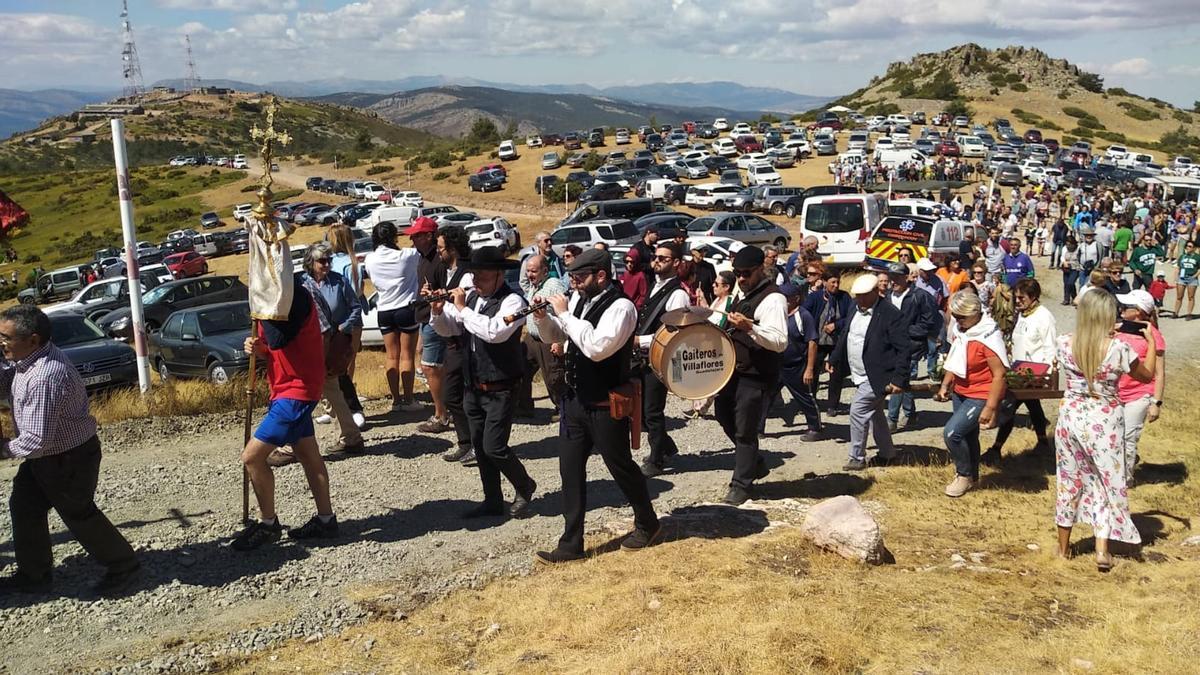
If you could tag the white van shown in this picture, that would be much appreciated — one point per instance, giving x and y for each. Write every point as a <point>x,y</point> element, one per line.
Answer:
<point>900,156</point>
<point>402,216</point>
<point>239,162</point>
<point>206,244</point>
<point>926,208</point>
<point>842,225</point>
<point>656,188</point>
<point>506,151</point>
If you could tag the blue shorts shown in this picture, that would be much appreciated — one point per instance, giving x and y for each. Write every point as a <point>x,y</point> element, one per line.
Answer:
<point>286,422</point>
<point>433,347</point>
<point>402,320</point>
<point>1189,281</point>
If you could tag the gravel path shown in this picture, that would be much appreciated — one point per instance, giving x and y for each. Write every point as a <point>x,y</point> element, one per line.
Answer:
<point>173,486</point>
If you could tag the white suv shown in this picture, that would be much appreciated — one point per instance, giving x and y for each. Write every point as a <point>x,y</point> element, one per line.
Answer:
<point>506,151</point>
<point>495,232</point>
<point>763,174</point>
<point>241,211</point>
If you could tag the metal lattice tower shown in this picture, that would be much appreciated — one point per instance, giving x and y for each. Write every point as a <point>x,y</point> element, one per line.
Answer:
<point>193,80</point>
<point>131,68</point>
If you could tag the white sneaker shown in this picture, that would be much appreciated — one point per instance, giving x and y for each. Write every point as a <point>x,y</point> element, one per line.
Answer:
<point>360,421</point>
<point>323,419</point>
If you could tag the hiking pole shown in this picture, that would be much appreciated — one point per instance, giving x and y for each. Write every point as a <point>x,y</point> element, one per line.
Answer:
<point>246,437</point>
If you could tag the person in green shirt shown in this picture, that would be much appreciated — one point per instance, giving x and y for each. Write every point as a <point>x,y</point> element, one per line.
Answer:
<point>1142,262</point>
<point>1189,269</point>
<point>1121,240</point>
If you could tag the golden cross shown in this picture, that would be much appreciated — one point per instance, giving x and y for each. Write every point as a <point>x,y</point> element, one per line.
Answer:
<point>268,136</point>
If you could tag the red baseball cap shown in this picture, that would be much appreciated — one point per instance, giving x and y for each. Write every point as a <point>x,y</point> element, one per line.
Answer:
<point>422,225</point>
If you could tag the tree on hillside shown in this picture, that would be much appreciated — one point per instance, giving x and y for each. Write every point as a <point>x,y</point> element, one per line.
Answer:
<point>1092,82</point>
<point>958,107</point>
<point>1196,106</point>
<point>484,131</point>
<point>654,118</point>
<point>511,131</point>
<point>363,140</point>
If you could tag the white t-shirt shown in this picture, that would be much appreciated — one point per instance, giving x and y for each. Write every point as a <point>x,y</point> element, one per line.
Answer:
<point>394,273</point>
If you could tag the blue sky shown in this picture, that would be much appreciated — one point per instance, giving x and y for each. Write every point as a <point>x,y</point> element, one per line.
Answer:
<point>826,47</point>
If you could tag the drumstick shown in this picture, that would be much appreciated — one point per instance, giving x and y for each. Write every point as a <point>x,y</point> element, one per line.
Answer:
<point>717,311</point>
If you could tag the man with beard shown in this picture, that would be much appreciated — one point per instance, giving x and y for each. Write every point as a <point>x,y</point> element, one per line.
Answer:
<point>599,323</point>
<point>454,248</point>
<point>666,295</point>
<point>759,337</point>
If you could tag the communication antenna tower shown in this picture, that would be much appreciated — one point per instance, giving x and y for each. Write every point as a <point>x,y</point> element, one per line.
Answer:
<point>131,68</point>
<point>193,80</point>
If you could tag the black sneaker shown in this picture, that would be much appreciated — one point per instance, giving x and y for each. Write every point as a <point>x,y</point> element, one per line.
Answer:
<point>256,534</point>
<point>484,510</point>
<point>639,539</point>
<point>469,459</point>
<point>457,454</point>
<point>557,556</point>
<point>650,469</point>
<point>117,582</point>
<point>315,529</point>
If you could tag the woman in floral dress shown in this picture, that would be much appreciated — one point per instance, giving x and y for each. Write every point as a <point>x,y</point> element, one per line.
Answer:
<point>1090,437</point>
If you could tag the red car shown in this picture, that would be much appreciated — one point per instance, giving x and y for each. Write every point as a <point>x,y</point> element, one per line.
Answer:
<point>1033,136</point>
<point>1051,145</point>
<point>488,167</point>
<point>184,265</point>
<point>747,144</point>
<point>949,149</point>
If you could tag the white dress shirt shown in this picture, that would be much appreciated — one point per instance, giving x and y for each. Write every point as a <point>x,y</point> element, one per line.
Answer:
<point>452,321</point>
<point>856,339</point>
<point>1035,337</point>
<point>898,298</point>
<point>770,332</point>
<point>467,281</point>
<point>677,299</point>
<point>598,342</point>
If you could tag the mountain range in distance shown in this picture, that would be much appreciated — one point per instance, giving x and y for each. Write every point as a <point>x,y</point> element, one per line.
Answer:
<point>23,110</point>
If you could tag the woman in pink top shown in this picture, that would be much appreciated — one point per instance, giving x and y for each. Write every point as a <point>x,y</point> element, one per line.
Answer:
<point>1142,401</point>
<point>634,282</point>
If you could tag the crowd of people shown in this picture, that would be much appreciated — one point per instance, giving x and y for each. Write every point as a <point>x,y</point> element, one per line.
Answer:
<point>968,321</point>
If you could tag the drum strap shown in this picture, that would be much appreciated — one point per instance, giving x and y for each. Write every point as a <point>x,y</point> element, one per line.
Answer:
<point>655,305</point>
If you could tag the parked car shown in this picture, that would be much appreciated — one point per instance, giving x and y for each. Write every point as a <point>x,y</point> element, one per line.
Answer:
<point>781,157</point>
<point>203,342</point>
<point>542,183</point>
<point>731,177</point>
<point>949,148</point>
<point>308,215</point>
<point>692,168</point>
<point>550,161</point>
<point>583,178</point>
<point>496,233</point>
<point>763,174</point>
<point>534,141</point>
<point>184,265</point>
<point>747,143</point>
<point>1009,174</point>
<point>1083,178</point>
<point>586,234</point>
<point>622,136</point>
<point>158,303</point>
<point>720,196</point>
<point>600,191</point>
<point>210,220</point>
<point>744,227</point>
<point>507,151</point>
<point>663,220</point>
<point>484,182</point>
<point>824,145</point>
<point>101,297</point>
<point>751,158</point>
<point>103,363</point>
<point>772,198</point>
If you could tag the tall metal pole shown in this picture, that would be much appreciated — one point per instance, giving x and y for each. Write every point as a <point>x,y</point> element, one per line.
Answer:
<point>137,318</point>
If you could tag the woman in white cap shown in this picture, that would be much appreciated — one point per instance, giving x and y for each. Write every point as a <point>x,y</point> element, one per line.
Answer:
<point>1142,400</point>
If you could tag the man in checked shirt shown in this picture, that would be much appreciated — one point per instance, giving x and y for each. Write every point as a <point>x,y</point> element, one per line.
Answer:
<point>56,437</point>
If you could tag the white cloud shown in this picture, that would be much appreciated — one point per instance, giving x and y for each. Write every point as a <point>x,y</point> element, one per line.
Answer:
<point>231,5</point>
<point>1134,66</point>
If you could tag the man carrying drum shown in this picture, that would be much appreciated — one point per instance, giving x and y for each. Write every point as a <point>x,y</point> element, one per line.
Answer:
<point>666,295</point>
<point>759,338</point>
<point>599,322</point>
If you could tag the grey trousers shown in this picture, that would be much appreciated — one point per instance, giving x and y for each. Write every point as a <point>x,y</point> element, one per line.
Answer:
<point>867,412</point>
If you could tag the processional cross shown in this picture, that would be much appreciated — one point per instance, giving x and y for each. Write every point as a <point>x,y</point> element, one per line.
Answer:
<point>268,137</point>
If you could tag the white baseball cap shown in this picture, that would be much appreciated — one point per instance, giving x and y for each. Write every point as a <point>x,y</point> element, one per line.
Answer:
<point>926,265</point>
<point>1139,298</point>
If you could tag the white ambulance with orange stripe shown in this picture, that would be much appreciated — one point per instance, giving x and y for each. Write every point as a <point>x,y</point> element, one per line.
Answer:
<point>927,237</point>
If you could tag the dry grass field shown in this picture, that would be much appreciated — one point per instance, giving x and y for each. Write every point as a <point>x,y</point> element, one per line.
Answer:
<point>771,603</point>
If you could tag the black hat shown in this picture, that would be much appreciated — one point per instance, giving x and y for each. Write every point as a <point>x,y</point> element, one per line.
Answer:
<point>749,257</point>
<point>591,260</point>
<point>897,268</point>
<point>669,232</point>
<point>491,258</point>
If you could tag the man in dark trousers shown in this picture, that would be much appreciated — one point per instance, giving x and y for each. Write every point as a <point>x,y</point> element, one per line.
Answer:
<point>874,350</point>
<point>759,337</point>
<point>599,323</point>
<point>56,438</point>
<point>666,295</point>
<point>923,322</point>
<point>493,368</point>
<point>454,248</point>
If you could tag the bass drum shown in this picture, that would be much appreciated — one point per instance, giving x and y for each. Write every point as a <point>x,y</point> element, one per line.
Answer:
<point>693,361</point>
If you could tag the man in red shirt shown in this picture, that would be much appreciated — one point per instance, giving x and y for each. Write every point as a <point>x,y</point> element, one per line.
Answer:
<point>295,356</point>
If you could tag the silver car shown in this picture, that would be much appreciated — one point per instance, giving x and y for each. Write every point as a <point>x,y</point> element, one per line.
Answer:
<point>824,146</point>
<point>744,227</point>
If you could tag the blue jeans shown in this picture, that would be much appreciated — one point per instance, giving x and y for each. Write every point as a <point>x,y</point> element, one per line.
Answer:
<point>905,399</point>
<point>1070,280</point>
<point>1056,250</point>
<point>962,435</point>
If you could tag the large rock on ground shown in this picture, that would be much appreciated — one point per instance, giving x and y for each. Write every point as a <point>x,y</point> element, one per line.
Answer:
<point>843,526</point>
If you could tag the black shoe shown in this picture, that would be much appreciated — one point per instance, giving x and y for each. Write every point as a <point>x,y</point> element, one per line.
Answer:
<point>117,582</point>
<point>484,510</point>
<point>761,471</point>
<point>520,506</point>
<point>990,458</point>
<point>640,539</point>
<point>557,556</point>
<point>893,426</point>
<point>736,496</point>
<point>256,534</point>
<point>469,459</point>
<point>855,465</point>
<point>881,460</point>
<point>315,529</point>
<point>20,583</point>
<point>457,454</point>
<point>525,414</point>
<point>650,469</point>
<point>811,436</point>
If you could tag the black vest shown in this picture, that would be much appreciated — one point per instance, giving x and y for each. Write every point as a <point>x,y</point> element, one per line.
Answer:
<point>592,380</point>
<point>650,316</point>
<point>754,361</point>
<point>456,341</point>
<point>489,362</point>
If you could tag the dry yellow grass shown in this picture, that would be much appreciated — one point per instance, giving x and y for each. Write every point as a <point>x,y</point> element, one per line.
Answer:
<point>771,603</point>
